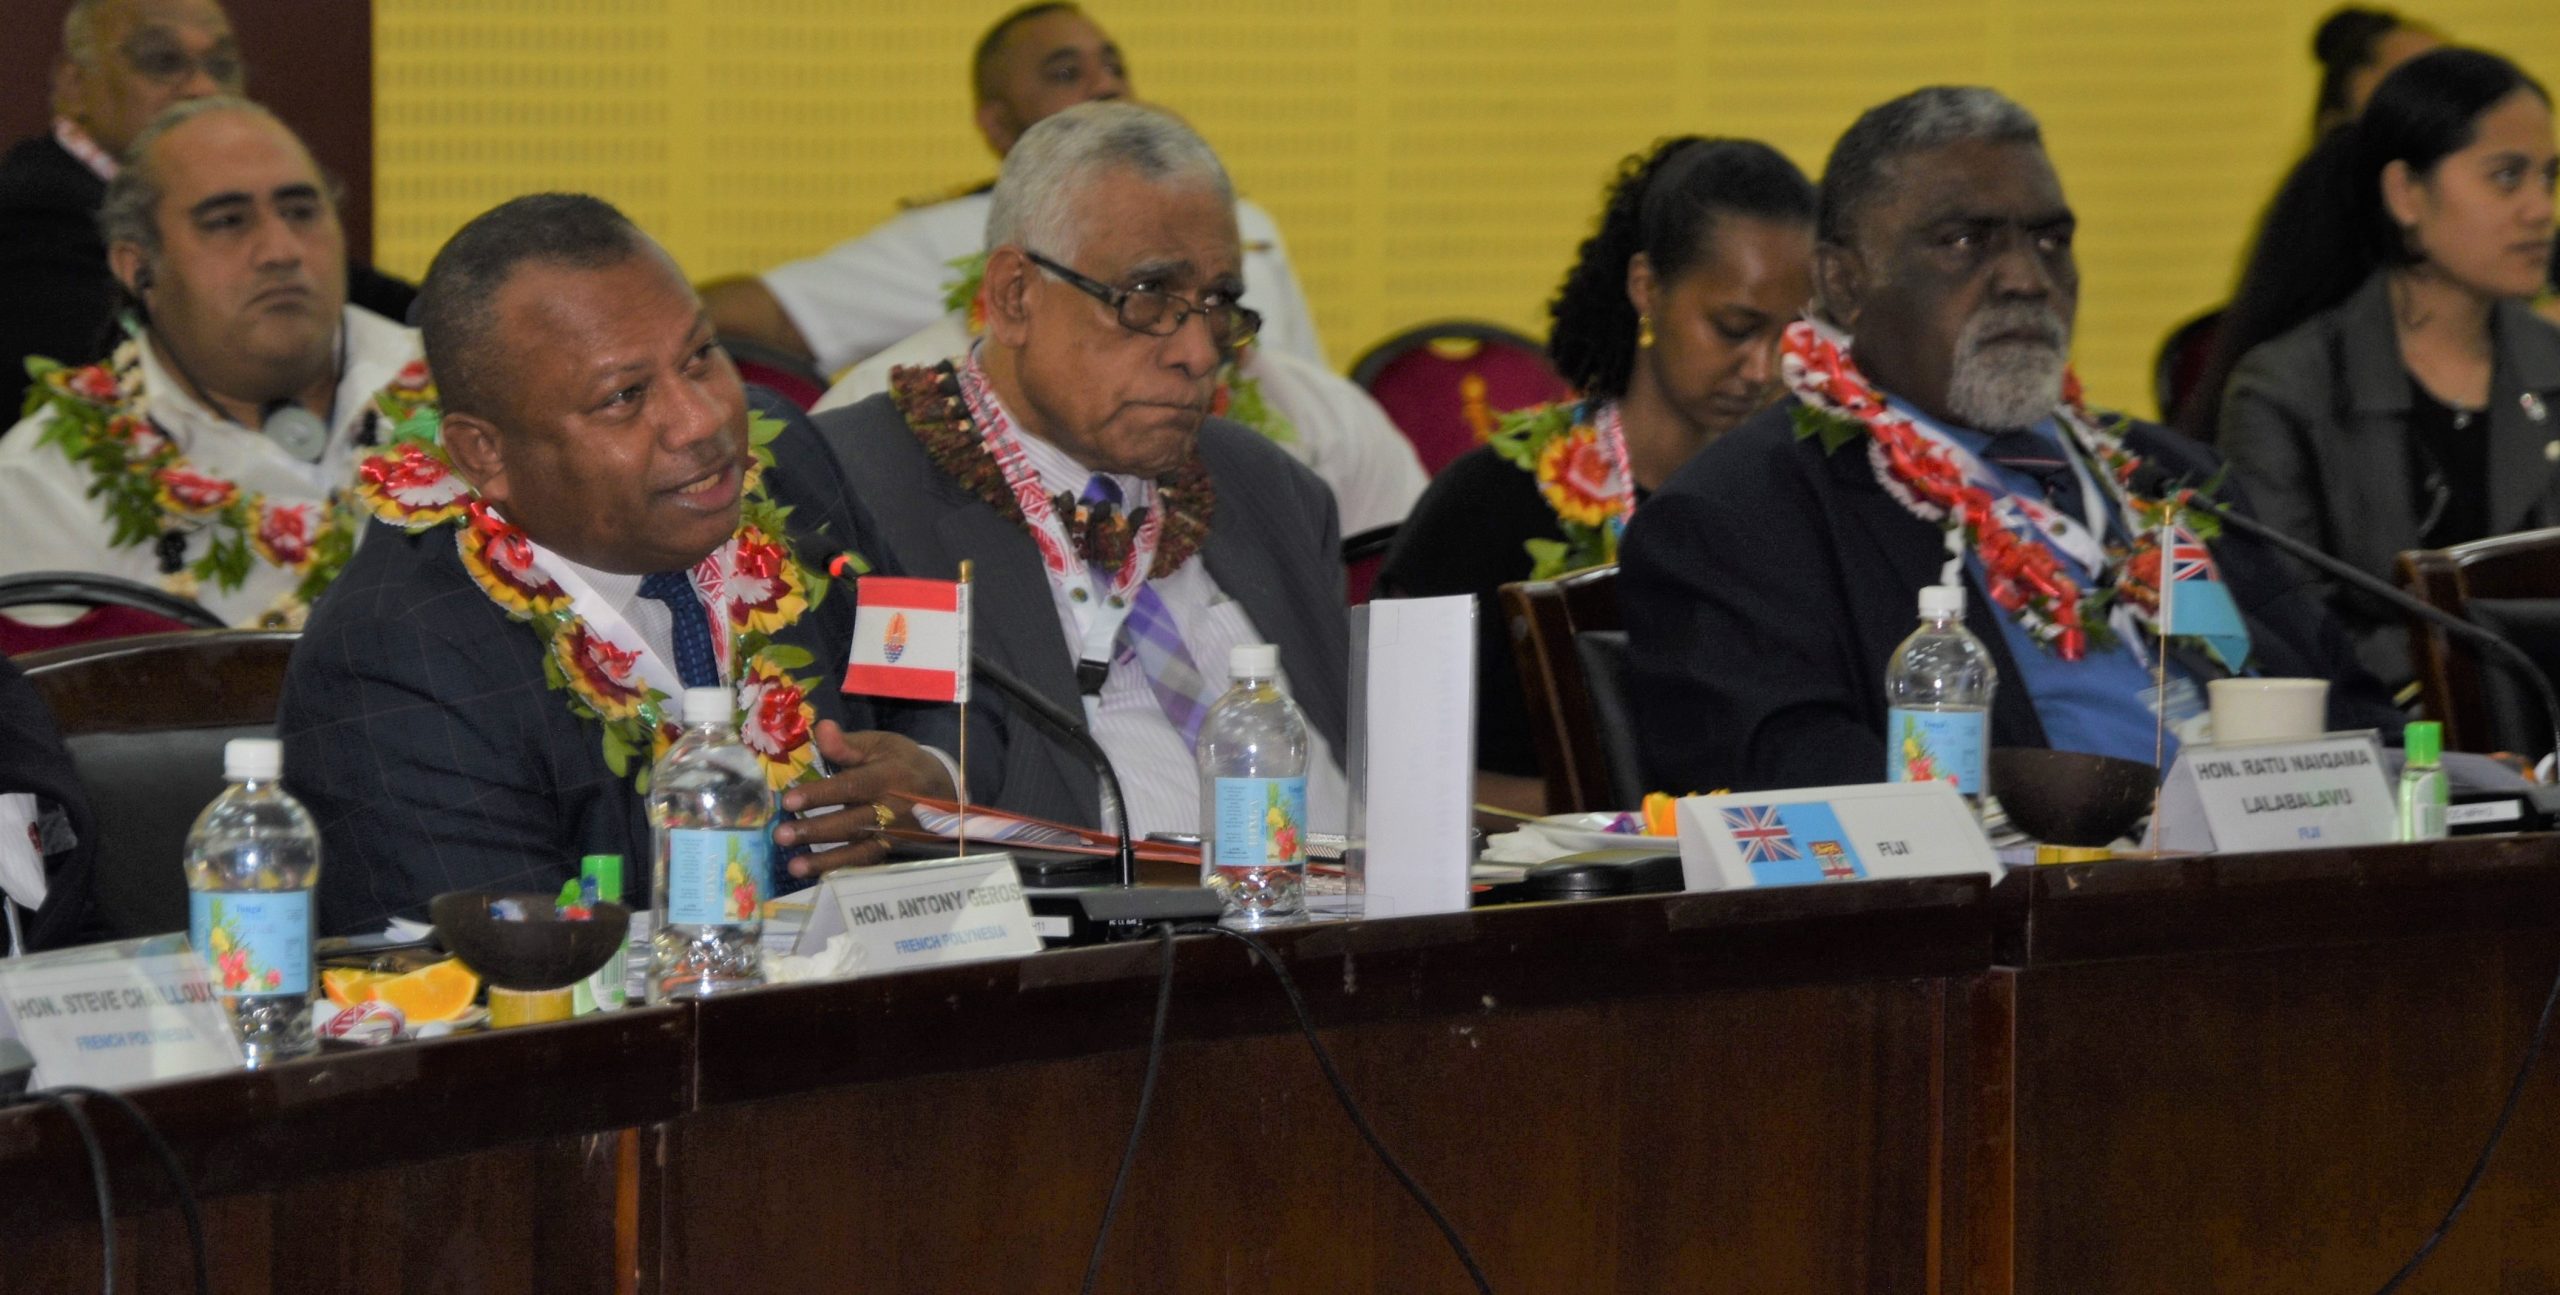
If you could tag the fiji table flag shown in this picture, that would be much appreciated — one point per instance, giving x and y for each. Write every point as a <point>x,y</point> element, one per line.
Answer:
<point>910,639</point>
<point>2198,604</point>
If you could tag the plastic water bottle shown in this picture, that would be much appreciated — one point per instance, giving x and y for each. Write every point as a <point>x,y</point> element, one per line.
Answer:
<point>2425,793</point>
<point>252,859</point>
<point>1253,794</point>
<point>1938,694</point>
<point>711,836</point>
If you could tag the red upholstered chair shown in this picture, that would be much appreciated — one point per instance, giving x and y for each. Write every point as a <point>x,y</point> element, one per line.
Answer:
<point>1444,382</point>
<point>2180,365</point>
<point>1362,555</point>
<point>115,609</point>
<point>787,376</point>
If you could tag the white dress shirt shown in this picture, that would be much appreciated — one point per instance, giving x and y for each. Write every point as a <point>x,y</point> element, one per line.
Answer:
<point>1155,761</point>
<point>859,297</point>
<point>1340,433</point>
<point>48,522</point>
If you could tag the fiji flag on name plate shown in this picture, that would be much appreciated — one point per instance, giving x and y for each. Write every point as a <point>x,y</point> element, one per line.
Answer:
<point>1793,845</point>
<point>910,639</point>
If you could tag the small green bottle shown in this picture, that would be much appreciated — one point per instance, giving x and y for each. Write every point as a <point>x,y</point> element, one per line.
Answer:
<point>604,991</point>
<point>2424,792</point>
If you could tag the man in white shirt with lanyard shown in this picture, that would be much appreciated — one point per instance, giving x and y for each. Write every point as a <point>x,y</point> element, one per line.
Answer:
<point>210,457</point>
<point>859,297</point>
<point>1072,458</point>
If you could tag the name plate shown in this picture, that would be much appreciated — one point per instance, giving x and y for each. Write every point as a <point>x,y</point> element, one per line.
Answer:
<point>118,1015</point>
<point>1813,835</point>
<point>2306,795</point>
<point>920,915</point>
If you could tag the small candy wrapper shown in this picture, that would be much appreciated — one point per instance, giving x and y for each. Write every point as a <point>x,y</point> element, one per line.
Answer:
<point>369,1022</point>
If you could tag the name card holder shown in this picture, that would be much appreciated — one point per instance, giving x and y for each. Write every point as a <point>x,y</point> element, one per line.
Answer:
<point>2259,796</point>
<point>118,1015</point>
<point>922,914</point>
<point>1813,835</point>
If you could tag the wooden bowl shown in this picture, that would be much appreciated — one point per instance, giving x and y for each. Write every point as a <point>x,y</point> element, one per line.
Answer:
<point>2071,797</point>
<point>540,952</point>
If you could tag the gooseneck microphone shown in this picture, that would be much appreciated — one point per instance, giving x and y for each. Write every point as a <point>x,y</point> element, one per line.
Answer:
<point>2152,480</point>
<point>1069,727</point>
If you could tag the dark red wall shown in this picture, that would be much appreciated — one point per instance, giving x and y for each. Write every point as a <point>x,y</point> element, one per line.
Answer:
<point>309,60</point>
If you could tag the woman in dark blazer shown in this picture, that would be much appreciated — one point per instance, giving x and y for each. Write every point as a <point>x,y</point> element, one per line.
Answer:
<point>2389,386</point>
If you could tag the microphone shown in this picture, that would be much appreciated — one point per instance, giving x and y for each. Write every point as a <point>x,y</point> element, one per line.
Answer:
<point>1125,911</point>
<point>2152,480</point>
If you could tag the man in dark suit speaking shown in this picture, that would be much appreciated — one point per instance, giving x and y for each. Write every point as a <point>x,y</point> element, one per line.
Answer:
<point>596,529</point>
<point>1932,435</point>
<point>1124,540</point>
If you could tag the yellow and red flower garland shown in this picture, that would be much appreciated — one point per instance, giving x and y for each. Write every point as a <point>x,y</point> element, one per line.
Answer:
<point>2022,574</point>
<point>149,488</point>
<point>411,484</point>
<point>1561,446</point>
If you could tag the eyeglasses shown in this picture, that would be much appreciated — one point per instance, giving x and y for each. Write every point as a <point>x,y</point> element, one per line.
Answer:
<point>1158,313</point>
<point>159,59</point>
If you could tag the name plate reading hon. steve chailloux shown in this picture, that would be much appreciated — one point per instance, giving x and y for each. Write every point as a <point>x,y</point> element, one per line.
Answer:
<point>2306,795</point>
<point>118,1015</point>
<point>922,914</point>
<point>1811,835</point>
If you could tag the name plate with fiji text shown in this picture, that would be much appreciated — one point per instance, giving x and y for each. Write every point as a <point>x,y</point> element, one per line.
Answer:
<point>2248,797</point>
<point>1812,835</point>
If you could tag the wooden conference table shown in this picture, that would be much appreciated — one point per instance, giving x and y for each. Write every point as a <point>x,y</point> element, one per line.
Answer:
<point>2261,1073</point>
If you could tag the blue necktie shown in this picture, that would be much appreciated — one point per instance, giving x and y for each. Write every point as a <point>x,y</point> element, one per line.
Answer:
<point>695,663</point>
<point>2046,463</point>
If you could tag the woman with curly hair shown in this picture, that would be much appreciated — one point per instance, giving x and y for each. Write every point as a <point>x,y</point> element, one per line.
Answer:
<point>1668,325</point>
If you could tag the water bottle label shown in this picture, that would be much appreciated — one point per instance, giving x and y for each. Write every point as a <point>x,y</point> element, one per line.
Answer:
<point>1936,746</point>
<point>716,876</point>
<point>257,941</point>
<point>1262,822</point>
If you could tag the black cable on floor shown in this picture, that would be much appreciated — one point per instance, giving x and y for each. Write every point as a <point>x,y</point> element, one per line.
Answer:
<point>1146,1100</point>
<point>2497,1133</point>
<point>169,1168</point>
<point>1351,1107</point>
<point>97,1179</point>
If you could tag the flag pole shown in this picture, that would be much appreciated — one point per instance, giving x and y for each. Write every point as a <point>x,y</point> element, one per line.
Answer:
<point>2160,670</point>
<point>960,833</point>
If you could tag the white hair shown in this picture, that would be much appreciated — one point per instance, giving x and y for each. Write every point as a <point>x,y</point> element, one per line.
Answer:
<point>1034,204</point>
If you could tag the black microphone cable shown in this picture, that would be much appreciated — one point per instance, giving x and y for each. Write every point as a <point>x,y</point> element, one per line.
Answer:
<point>97,1179</point>
<point>64,1097</point>
<point>1324,1061</point>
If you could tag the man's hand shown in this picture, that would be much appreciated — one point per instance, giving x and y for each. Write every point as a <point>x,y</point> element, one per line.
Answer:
<point>868,766</point>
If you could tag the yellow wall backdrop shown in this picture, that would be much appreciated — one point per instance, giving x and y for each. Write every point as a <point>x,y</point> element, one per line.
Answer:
<point>1425,158</point>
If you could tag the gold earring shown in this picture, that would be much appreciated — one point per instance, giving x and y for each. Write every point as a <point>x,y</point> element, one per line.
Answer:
<point>1644,332</point>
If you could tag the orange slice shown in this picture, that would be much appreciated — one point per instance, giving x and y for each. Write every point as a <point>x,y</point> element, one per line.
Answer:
<point>347,986</point>
<point>439,991</point>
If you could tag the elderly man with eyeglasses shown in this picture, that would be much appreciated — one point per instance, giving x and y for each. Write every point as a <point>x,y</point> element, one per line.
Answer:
<point>121,64</point>
<point>1123,538</point>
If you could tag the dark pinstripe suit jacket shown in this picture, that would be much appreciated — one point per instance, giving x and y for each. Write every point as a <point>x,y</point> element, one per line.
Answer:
<point>1274,545</point>
<point>420,731</point>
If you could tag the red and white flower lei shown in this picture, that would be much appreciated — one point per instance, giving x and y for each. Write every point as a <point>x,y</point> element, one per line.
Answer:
<point>757,578</point>
<point>2022,574</point>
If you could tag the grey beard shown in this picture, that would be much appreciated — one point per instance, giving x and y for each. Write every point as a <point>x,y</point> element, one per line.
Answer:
<point>2010,385</point>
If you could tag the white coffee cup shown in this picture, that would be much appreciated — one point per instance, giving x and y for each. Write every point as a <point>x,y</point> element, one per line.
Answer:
<point>2269,710</point>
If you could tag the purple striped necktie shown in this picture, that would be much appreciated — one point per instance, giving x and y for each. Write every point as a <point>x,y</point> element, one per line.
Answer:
<point>1151,636</point>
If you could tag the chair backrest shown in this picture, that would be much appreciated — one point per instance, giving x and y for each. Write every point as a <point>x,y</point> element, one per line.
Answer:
<point>1442,383</point>
<point>145,720</point>
<point>1570,647</point>
<point>1362,555</point>
<point>2184,353</point>
<point>113,608</point>
<point>786,375</point>
<point>2511,585</point>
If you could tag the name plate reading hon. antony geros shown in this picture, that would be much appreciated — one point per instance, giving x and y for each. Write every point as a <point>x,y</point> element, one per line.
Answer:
<point>1811,835</point>
<point>923,914</point>
<point>2306,795</point>
<point>118,1015</point>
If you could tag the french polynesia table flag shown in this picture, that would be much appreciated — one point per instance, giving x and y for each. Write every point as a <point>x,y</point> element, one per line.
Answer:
<point>910,639</point>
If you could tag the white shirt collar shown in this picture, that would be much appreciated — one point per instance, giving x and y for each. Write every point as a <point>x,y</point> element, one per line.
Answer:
<point>376,350</point>
<point>1059,471</point>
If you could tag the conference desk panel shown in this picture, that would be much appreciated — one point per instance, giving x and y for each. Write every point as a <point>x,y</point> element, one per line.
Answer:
<point>2272,1073</point>
<point>1730,1092</point>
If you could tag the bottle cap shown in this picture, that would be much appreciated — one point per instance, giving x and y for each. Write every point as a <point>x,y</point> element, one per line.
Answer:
<point>708,705</point>
<point>1942,600</point>
<point>1253,661</point>
<point>252,759</point>
<point>2423,742</point>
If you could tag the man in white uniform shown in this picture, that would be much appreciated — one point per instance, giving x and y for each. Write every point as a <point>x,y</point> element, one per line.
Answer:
<point>221,437</point>
<point>860,297</point>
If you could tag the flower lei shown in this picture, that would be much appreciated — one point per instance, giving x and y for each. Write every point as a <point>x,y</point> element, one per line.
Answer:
<point>930,399</point>
<point>1239,395</point>
<point>763,585</point>
<point>1563,447</point>
<point>2023,575</point>
<point>153,494</point>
